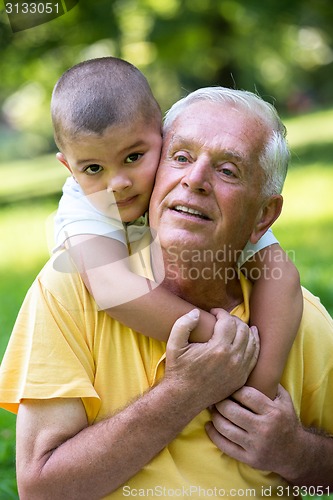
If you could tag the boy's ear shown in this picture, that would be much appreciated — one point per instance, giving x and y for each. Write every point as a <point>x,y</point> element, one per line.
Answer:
<point>63,160</point>
<point>268,214</point>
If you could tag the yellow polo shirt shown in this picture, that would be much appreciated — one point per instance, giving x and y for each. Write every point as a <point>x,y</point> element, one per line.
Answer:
<point>62,346</point>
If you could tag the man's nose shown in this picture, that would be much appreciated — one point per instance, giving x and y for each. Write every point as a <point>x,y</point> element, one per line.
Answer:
<point>118,183</point>
<point>198,177</point>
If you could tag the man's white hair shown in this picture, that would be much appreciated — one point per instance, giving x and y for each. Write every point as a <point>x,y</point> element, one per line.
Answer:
<point>275,156</point>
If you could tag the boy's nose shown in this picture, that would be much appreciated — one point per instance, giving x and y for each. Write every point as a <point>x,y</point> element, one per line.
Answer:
<point>118,183</point>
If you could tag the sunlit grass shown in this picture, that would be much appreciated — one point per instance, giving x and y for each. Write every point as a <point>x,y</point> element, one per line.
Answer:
<point>306,228</point>
<point>314,128</point>
<point>31,178</point>
<point>308,195</point>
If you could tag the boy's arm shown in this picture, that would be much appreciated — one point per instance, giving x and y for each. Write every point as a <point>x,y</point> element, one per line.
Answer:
<point>139,303</point>
<point>276,308</point>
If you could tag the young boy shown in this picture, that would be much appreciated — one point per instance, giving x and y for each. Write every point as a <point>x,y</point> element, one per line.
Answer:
<point>107,127</point>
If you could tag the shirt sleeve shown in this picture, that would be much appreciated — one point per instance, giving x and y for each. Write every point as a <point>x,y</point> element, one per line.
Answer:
<point>76,215</point>
<point>251,249</point>
<point>49,353</point>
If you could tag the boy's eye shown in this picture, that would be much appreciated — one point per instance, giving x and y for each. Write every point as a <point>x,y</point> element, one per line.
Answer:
<point>133,157</point>
<point>93,169</point>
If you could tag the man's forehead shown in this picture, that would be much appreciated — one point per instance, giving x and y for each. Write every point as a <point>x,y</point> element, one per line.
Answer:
<point>205,118</point>
<point>219,125</point>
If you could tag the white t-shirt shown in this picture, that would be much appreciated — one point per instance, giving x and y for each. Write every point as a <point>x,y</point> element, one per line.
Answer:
<point>77,215</point>
<point>252,248</point>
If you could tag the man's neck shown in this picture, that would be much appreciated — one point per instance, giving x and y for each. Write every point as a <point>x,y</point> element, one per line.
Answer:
<point>203,284</point>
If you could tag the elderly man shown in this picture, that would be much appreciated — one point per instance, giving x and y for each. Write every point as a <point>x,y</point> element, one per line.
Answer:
<point>126,417</point>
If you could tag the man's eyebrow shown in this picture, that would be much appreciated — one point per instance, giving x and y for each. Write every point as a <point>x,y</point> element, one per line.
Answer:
<point>228,154</point>
<point>179,141</point>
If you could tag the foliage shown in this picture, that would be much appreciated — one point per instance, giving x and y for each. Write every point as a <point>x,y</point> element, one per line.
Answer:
<point>281,48</point>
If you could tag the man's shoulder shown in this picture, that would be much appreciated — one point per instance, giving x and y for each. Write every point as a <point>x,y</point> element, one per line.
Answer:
<point>314,340</point>
<point>314,311</point>
<point>60,278</point>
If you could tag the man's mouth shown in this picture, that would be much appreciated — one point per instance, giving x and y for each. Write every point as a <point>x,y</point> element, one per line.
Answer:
<point>182,209</point>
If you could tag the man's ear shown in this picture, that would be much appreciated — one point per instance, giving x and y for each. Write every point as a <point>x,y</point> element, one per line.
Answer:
<point>268,214</point>
<point>63,160</point>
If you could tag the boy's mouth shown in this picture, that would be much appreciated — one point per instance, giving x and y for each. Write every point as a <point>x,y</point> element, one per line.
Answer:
<point>126,201</point>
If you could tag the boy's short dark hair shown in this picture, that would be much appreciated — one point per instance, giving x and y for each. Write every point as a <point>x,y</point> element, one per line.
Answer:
<point>98,93</point>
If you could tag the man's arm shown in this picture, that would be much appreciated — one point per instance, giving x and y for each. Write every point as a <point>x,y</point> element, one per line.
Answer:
<point>60,456</point>
<point>267,435</point>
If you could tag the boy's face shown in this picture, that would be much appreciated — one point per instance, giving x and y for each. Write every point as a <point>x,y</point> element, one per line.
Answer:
<point>116,169</point>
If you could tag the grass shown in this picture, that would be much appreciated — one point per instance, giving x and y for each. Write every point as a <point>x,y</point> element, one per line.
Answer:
<point>27,191</point>
<point>306,228</point>
<point>31,178</point>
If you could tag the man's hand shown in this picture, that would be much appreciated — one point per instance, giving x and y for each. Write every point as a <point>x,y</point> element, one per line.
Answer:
<point>255,430</point>
<point>213,370</point>
<point>268,435</point>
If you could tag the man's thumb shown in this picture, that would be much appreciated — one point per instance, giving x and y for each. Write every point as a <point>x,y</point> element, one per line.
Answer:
<point>182,328</point>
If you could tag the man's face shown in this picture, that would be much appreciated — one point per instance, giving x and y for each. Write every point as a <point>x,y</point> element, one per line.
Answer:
<point>207,193</point>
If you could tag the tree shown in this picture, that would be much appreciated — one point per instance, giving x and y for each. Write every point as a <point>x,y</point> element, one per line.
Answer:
<point>280,48</point>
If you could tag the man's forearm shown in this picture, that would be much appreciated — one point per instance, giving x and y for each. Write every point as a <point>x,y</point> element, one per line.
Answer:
<point>312,463</point>
<point>100,458</point>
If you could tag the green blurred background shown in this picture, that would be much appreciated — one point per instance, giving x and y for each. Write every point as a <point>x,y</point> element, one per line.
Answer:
<point>279,48</point>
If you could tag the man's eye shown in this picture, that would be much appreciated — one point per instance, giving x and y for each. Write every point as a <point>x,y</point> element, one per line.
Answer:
<point>93,169</point>
<point>133,157</point>
<point>181,158</point>
<point>227,171</point>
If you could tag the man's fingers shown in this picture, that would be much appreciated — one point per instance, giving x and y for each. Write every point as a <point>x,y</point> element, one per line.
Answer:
<point>182,328</point>
<point>255,333</point>
<point>254,339</point>
<point>226,328</point>
<point>283,395</point>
